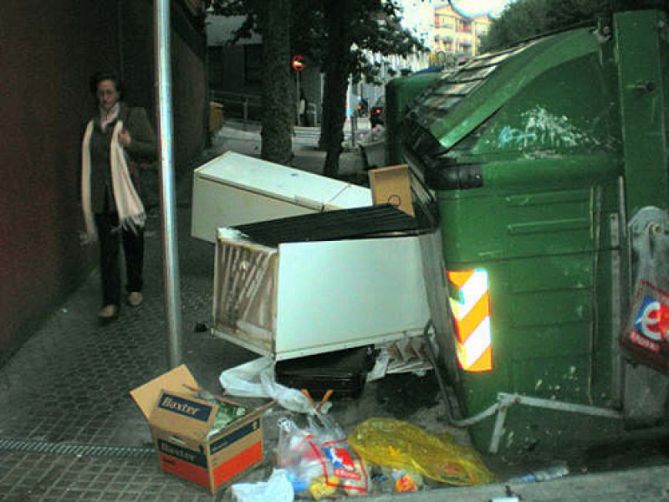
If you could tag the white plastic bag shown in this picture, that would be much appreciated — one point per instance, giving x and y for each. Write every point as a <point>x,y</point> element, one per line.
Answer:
<point>277,488</point>
<point>256,379</point>
<point>319,460</point>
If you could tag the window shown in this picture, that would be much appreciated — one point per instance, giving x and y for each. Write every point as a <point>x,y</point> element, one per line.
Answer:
<point>253,67</point>
<point>442,21</point>
<point>465,26</point>
<point>215,56</point>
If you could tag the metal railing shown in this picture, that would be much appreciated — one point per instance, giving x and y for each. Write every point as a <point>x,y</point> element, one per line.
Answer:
<point>247,105</point>
<point>233,102</point>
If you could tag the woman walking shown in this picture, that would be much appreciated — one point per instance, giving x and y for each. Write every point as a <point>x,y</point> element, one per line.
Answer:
<point>115,139</point>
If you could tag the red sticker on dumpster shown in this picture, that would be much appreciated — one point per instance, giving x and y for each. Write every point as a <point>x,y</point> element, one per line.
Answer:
<point>646,335</point>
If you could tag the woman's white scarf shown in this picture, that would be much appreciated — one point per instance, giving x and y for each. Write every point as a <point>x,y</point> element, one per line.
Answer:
<point>129,206</point>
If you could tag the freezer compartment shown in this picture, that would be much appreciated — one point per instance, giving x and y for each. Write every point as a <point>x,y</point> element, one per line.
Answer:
<point>245,278</point>
<point>235,189</point>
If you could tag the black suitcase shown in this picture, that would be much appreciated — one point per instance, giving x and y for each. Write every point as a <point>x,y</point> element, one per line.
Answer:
<point>343,371</point>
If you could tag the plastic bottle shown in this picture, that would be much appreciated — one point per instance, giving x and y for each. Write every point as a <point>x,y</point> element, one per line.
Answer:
<point>553,472</point>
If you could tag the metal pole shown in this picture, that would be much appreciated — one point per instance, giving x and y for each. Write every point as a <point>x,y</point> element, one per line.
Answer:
<point>297,103</point>
<point>167,197</point>
<point>350,111</point>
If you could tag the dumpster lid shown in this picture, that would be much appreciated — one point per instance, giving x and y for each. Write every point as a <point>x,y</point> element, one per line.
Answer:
<point>462,99</point>
<point>377,221</point>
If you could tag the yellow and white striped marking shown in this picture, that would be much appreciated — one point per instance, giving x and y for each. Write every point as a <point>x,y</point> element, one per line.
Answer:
<point>471,312</point>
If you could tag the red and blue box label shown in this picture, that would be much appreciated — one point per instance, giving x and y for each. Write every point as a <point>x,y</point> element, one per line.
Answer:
<point>185,407</point>
<point>184,462</point>
<point>243,451</point>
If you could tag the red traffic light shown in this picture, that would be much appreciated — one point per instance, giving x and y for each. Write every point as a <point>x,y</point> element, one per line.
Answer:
<point>297,63</point>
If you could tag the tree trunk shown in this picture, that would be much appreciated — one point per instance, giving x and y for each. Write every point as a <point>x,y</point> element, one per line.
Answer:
<point>337,69</point>
<point>277,99</point>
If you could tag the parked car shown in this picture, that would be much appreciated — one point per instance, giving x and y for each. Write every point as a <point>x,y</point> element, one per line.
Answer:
<point>377,114</point>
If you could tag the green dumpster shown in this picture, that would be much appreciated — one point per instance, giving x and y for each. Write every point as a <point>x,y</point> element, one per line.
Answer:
<point>400,92</point>
<point>539,155</point>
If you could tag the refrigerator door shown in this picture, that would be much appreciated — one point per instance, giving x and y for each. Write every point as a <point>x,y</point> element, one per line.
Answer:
<point>334,295</point>
<point>315,297</point>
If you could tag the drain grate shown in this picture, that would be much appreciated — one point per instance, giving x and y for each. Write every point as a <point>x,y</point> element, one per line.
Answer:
<point>79,450</point>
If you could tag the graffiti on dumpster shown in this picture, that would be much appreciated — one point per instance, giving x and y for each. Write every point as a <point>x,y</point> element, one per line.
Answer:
<point>542,128</point>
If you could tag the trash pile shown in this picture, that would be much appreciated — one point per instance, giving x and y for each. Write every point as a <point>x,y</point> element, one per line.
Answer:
<point>403,447</point>
<point>315,459</point>
<point>319,461</point>
<point>373,146</point>
<point>376,133</point>
<point>217,442</point>
<point>332,285</point>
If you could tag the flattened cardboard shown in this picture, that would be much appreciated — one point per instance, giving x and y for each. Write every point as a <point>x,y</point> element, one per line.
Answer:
<point>392,185</point>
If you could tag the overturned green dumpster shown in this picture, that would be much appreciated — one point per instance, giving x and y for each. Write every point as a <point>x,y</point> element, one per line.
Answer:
<point>400,93</point>
<point>543,158</point>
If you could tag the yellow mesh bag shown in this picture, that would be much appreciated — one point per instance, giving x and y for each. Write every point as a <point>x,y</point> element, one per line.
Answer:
<point>400,445</point>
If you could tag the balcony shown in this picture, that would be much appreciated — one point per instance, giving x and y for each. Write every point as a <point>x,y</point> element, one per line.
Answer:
<point>465,28</point>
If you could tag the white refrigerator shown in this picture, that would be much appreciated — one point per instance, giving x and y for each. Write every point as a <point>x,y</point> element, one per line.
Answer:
<point>235,189</point>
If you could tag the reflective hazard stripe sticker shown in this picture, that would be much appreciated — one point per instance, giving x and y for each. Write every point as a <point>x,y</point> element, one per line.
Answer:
<point>471,316</point>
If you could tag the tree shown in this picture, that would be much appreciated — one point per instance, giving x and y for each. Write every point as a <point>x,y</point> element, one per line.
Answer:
<point>339,40</point>
<point>277,105</point>
<point>335,35</point>
<point>528,18</point>
<point>338,66</point>
<point>272,20</point>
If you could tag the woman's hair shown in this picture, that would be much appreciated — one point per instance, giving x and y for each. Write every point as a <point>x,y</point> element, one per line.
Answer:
<point>98,77</point>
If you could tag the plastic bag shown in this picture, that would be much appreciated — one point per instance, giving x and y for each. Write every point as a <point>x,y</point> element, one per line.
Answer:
<point>320,461</point>
<point>387,480</point>
<point>277,488</point>
<point>400,445</point>
<point>256,379</point>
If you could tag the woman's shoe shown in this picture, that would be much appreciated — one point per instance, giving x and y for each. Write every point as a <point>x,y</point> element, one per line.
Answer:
<point>108,313</point>
<point>135,299</point>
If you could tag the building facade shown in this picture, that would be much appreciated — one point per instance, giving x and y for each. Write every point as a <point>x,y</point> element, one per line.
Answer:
<point>457,36</point>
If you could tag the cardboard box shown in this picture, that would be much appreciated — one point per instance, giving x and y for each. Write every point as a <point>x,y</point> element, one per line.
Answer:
<point>180,423</point>
<point>392,185</point>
